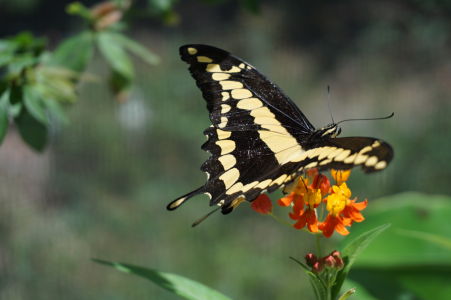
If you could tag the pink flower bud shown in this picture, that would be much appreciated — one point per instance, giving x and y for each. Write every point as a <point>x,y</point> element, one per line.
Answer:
<point>311,259</point>
<point>329,261</point>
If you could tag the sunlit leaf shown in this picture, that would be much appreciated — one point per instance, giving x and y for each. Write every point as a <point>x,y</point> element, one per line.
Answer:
<point>179,285</point>
<point>115,54</point>
<point>75,52</point>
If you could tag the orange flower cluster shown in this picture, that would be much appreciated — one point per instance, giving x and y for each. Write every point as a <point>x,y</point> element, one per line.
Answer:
<point>308,193</point>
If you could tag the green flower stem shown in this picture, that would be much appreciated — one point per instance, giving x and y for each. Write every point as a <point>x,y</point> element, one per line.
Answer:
<point>318,245</point>
<point>281,221</point>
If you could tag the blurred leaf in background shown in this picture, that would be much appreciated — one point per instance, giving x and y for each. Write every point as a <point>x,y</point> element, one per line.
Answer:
<point>413,257</point>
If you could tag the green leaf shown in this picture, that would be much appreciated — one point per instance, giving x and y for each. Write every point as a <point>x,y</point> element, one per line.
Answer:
<point>319,288</point>
<point>75,52</point>
<point>4,99</point>
<point>7,49</point>
<point>350,253</point>
<point>179,285</point>
<point>34,104</point>
<point>78,9</point>
<point>413,256</point>
<point>20,62</point>
<point>136,48</point>
<point>115,55</point>
<point>33,132</point>
<point>418,235</point>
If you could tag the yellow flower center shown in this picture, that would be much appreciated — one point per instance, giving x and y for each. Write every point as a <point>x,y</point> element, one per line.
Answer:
<point>335,203</point>
<point>313,197</point>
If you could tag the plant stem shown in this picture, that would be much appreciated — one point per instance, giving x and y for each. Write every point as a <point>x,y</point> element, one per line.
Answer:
<point>318,245</point>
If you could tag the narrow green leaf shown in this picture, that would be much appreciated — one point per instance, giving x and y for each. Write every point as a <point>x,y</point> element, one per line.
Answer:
<point>304,266</point>
<point>350,253</point>
<point>318,287</point>
<point>179,285</point>
<point>75,52</point>
<point>4,99</point>
<point>136,48</point>
<point>33,132</point>
<point>115,55</point>
<point>34,104</point>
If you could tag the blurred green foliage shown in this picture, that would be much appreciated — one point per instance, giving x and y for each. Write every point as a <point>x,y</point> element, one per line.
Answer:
<point>413,257</point>
<point>100,188</point>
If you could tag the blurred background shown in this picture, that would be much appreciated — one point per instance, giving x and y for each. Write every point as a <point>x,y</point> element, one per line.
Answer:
<point>100,187</point>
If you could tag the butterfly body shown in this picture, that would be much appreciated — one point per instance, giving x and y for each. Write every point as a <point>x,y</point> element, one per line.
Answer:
<point>259,140</point>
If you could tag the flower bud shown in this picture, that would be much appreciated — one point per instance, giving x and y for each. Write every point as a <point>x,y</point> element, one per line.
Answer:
<point>338,260</point>
<point>317,267</point>
<point>329,261</point>
<point>311,259</point>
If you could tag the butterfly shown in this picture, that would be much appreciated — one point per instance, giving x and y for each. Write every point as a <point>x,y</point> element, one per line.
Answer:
<point>259,139</point>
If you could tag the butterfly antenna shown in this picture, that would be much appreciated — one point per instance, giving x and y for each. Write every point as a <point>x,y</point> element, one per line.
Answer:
<point>328,104</point>
<point>369,119</point>
<point>200,220</point>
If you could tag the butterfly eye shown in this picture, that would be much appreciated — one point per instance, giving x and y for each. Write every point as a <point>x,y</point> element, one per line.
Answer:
<point>337,133</point>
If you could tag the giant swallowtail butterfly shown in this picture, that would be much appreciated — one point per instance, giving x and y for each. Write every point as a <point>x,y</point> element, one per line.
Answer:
<point>259,140</point>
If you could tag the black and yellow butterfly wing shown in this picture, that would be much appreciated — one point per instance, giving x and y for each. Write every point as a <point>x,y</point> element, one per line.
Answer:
<point>259,139</point>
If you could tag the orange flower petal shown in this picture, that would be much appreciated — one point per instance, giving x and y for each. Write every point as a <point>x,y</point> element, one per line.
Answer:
<point>262,204</point>
<point>312,221</point>
<point>359,205</point>
<point>341,229</point>
<point>333,223</point>
<point>302,221</point>
<point>286,201</point>
<point>340,176</point>
<point>321,182</point>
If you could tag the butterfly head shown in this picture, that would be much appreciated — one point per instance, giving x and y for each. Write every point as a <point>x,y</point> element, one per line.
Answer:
<point>331,130</point>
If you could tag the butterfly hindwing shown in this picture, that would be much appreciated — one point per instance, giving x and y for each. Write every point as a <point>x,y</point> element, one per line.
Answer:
<point>347,152</point>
